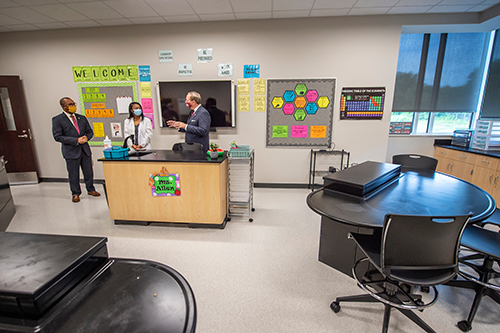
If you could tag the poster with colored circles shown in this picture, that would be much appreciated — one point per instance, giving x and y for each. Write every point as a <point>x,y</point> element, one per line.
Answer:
<point>362,103</point>
<point>300,112</point>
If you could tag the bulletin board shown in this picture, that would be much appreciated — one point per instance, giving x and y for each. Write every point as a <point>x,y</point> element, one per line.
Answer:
<point>300,112</point>
<point>105,104</point>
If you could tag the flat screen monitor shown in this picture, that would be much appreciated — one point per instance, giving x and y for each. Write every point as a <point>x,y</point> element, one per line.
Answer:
<point>216,96</point>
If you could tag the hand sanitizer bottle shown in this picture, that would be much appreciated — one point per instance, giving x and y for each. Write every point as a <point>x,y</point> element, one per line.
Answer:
<point>107,143</point>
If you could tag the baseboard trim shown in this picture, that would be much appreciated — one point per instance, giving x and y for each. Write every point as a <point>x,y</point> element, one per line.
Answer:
<point>280,185</point>
<point>261,185</point>
<point>65,180</point>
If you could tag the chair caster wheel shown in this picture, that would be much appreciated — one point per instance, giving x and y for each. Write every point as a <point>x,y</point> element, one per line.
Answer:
<point>335,307</point>
<point>253,209</point>
<point>464,326</point>
<point>251,220</point>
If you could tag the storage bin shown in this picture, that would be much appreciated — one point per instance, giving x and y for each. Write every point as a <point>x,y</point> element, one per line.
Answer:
<point>115,153</point>
<point>241,151</point>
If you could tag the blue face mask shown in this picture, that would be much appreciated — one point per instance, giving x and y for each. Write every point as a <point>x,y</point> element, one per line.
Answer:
<point>137,112</point>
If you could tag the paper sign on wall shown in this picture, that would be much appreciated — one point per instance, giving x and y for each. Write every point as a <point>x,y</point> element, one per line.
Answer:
<point>122,103</point>
<point>226,69</point>
<point>146,90</point>
<point>166,56</point>
<point>205,55</point>
<point>185,69</point>
<point>116,130</point>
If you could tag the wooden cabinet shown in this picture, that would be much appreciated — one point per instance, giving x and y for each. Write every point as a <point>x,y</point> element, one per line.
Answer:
<point>455,163</point>
<point>482,171</point>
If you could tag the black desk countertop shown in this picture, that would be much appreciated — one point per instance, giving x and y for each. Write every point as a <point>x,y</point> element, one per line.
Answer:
<point>169,156</point>
<point>414,193</point>
<point>490,153</point>
<point>112,295</point>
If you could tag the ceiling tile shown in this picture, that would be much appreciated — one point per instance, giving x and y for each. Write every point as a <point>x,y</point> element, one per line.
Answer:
<point>449,9</point>
<point>211,7</point>
<point>95,10</point>
<point>218,17</point>
<point>171,7</point>
<point>288,5</point>
<point>252,6</point>
<point>73,1</point>
<point>377,3</point>
<point>459,2</point>
<point>35,2</point>
<point>60,12</point>
<point>8,3</point>
<point>132,8</point>
<point>479,8</point>
<point>182,18</point>
<point>329,12</point>
<point>21,27</point>
<point>290,13</point>
<point>122,21</point>
<point>409,10</point>
<point>56,25</point>
<point>83,24</point>
<point>147,20</point>
<point>418,2</point>
<point>7,20</point>
<point>369,11</point>
<point>329,4</point>
<point>26,15</point>
<point>253,16</point>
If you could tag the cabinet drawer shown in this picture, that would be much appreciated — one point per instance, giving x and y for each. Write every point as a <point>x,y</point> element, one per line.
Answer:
<point>465,157</point>
<point>442,152</point>
<point>487,162</point>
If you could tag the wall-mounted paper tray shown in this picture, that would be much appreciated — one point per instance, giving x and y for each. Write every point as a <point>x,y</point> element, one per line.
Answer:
<point>361,179</point>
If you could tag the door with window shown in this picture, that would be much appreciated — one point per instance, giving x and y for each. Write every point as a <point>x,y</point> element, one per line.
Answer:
<point>16,141</point>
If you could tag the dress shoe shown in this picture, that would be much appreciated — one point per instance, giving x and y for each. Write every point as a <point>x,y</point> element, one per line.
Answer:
<point>95,194</point>
<point>76,198</point>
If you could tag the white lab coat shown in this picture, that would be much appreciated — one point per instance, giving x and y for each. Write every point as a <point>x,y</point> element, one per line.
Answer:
<point>145,132</point>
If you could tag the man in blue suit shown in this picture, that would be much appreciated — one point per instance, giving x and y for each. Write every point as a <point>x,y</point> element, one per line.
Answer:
<point>198,124</point>
<point>73,131</point>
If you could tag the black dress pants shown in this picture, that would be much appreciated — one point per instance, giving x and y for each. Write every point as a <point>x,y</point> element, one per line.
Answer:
<point>73,166</point>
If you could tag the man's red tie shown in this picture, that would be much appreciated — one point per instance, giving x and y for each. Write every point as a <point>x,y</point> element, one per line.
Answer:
<point>74,122</point>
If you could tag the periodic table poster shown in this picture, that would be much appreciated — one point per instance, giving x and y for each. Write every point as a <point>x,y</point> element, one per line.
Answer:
<point>300,112</point>
<point>362,103</point>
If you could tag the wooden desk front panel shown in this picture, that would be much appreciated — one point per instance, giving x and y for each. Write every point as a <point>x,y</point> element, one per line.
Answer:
<point>203,196</point>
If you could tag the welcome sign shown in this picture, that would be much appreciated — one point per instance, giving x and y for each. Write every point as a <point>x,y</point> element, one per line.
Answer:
<point>165,184</point>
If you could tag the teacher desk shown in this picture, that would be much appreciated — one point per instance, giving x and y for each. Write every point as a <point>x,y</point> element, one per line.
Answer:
<point>413,192</point>
<point>203,189</point>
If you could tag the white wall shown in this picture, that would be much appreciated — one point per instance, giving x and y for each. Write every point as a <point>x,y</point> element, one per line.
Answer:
<point>406,144</point>
<point>358,51</point>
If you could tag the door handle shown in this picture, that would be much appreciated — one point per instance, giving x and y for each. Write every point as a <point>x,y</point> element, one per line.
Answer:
<point>23,136</point>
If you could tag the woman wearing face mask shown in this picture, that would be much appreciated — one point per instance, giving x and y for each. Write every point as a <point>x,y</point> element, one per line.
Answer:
<point>138,126</point>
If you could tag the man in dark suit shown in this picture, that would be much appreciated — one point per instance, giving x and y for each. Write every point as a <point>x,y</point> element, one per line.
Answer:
<point>198,124</point>
<point>73,131</point>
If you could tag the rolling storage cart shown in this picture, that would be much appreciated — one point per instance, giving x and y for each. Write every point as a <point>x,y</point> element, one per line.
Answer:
<point>323,162</point>
<point>241,164</point>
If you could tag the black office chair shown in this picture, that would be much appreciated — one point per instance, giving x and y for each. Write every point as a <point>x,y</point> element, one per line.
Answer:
<point>411,251</point>
<point>415,161</point>
<point>485,245</point>
<point>187,146</point>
